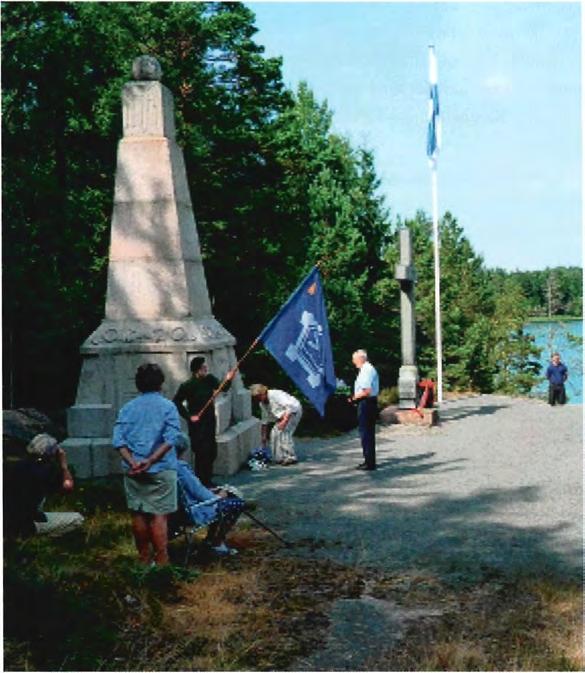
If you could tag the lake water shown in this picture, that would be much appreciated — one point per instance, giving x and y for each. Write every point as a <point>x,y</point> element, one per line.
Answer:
<point>566,338</point>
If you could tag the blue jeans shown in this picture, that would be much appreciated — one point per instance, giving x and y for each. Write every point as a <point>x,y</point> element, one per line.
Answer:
<point>367,414</point>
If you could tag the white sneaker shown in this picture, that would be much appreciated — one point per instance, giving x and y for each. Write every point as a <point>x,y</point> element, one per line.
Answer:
<point>224,550</point>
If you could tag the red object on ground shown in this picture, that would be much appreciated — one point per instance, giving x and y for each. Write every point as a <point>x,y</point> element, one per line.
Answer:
<point>428,397</point>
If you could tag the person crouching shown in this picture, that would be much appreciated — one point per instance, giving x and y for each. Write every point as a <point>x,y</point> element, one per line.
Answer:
<point>285,412</point>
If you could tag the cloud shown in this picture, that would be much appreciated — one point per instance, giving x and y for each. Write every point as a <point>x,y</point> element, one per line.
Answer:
<point>499,84</point>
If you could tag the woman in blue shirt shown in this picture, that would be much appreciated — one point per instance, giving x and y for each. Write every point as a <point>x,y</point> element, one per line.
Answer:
<point>146,431</point>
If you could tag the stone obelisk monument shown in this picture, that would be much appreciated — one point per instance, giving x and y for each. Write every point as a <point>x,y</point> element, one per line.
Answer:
<point>157,303</point>
<point>408,374</point>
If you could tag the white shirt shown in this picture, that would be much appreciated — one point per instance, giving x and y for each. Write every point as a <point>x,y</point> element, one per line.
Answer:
<point>278,404</point>
<point>367,378</point>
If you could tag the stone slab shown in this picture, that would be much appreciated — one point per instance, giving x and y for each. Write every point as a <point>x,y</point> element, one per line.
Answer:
<point>223,412</point>
<point>234,446</point>
<point>408,386</point>
<point>158,336</point>
<point>90,420</point>
<point>92,457</point>
<point>79,456</point>
<point>429,417</point>
<point>102,455</point>
<point>241,405</point>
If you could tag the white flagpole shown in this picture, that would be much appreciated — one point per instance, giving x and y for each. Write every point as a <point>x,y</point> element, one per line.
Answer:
<point>437,247</point>
<point>436,238</point>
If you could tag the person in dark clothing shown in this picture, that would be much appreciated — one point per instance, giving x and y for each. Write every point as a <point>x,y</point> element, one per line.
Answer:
<point>27,482</point>
<point>202,429</point>
<point>366,388</point>
<point>556,373</point>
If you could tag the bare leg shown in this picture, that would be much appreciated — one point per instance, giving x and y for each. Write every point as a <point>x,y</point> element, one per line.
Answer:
<point>159,538</point>
<point>141,531</point>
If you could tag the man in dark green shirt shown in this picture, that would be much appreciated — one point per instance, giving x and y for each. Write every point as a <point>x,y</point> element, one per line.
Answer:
<point>196,392</point>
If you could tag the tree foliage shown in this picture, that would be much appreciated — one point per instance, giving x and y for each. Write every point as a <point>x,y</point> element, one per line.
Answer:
<point>274,191</point>
<point>484,348</point>
<point>552,292</point>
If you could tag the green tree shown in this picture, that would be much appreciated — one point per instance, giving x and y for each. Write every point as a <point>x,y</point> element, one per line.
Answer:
<point>482,313</point>
<point>64,66</point>
<point>513,354</point>
<point>335,216</point>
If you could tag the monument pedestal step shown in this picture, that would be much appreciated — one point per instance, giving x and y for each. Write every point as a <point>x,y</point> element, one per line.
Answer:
<point>95,457</point>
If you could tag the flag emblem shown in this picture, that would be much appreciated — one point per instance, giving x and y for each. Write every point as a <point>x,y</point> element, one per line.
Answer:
<point>308,348</point>
<point>298,339</point>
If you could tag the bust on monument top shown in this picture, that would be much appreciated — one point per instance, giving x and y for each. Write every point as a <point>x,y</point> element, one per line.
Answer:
<point>146,68</point>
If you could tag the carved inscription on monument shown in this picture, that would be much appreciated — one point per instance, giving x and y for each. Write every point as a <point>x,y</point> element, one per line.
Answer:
<point>143,115</point>
<point>110,334</point>
<point>147,110</point>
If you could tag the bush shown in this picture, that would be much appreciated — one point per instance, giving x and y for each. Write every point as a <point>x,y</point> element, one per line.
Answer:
<point>388,397</point>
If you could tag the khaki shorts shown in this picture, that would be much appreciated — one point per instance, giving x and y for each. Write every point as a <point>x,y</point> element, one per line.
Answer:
<point>152,493</point>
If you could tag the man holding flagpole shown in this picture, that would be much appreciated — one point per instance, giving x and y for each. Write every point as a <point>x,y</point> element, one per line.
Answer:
<point>298,339</point>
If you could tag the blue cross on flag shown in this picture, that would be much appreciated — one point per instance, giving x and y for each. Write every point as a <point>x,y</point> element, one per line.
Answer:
<point>298,339</point>
<point>434,127</point>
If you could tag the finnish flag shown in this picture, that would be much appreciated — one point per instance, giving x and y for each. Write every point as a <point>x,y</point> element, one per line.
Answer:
<point>434,129</point>
<point>298,339</point>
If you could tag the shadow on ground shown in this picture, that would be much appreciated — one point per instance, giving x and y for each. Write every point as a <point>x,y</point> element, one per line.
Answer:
<point>381,519</point>
<point>456,414</point>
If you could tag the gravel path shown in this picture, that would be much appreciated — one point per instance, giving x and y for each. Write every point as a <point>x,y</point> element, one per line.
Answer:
<point>496,488</point>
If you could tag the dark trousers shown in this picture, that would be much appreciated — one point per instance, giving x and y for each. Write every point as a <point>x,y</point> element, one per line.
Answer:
<point>556,394</point>
<point>367,414</point>
<point>228,511</point>
<point>204,447</point>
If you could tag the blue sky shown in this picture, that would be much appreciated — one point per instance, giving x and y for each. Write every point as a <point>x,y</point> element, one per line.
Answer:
<point>509,88</point>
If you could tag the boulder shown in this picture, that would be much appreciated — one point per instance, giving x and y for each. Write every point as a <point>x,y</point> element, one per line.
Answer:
<point>19,426</point>
<point>388,415</point>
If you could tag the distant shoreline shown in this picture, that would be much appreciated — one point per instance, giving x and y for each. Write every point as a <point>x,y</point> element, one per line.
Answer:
<point>555,318</point>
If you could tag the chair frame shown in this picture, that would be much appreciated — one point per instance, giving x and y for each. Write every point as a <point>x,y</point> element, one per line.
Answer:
<point>187,527</point>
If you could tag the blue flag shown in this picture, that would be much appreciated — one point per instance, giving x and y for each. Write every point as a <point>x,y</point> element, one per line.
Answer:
<point>298,339</point>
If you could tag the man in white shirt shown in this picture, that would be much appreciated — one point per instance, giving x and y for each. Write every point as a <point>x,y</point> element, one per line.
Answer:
<point>285,412</point>
<point>365,393</point>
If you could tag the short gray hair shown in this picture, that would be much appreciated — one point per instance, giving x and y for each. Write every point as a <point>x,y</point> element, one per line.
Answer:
<point>258,389</point>
<point>361,353</point>
<point>42,445</point>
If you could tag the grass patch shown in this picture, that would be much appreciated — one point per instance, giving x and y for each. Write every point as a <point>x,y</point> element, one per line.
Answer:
<point>82,602</point>
<point>526,625</point>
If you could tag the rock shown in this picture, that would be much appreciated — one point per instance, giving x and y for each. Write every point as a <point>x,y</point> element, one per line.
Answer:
<point>429,417</point>
<point>388,415</point>
<point>19,426</point>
